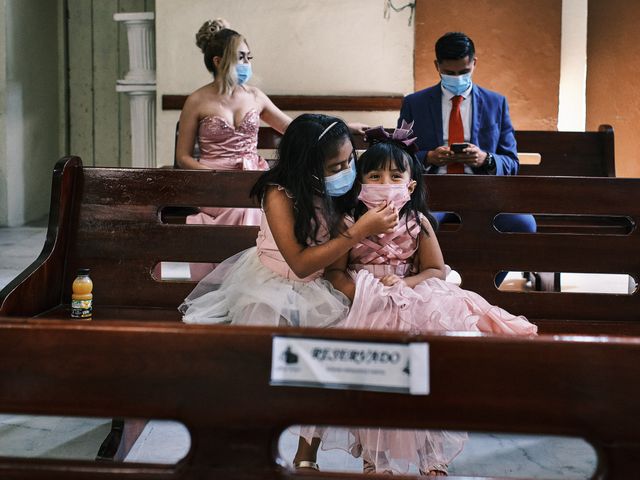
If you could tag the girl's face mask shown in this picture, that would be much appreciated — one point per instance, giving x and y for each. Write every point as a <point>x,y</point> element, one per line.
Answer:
<point>340,183</point>
<point>374,194</point>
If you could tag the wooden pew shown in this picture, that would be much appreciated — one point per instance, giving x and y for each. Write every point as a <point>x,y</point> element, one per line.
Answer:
<point>579,154</point>
<point>585,154</point>
<point>113,221</point>
<point>563,153</point>
<point>209,377</point>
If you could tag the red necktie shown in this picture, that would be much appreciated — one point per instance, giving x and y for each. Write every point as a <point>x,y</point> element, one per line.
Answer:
<point>456,131</point>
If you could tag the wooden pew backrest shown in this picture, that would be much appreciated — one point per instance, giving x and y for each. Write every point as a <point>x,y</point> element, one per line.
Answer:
<point>587,154</point>
<point>209,378</point>
<point>583,154</point>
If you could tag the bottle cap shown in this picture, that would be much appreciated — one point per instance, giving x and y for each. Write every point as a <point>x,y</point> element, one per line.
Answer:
<point>83,271</point>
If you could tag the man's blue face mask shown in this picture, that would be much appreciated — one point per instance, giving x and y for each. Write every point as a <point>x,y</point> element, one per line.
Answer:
<point>243,72</point>
<point>340,183</point>
<point>456,84</point>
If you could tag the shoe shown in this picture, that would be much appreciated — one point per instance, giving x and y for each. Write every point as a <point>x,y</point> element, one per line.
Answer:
<point>439,467</point>
<point>368,467</point>
<point>303,464</point>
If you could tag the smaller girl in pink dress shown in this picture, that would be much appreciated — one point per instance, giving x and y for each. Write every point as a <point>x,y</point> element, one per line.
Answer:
<point>396,281</point>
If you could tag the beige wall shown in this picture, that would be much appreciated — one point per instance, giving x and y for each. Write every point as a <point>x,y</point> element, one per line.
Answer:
<point>518,48</point>
<point>613,77</point>
<point>328,47</point>
<point>29,108</point>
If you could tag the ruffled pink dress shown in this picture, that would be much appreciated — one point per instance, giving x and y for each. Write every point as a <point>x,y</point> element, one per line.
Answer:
<point>257,287</point>
<point>433,305</point>
<point>223,147</point>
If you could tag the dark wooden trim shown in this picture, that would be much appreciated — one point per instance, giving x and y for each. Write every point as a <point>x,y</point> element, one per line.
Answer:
<point>608,154</point>
<point>40,286</point>
<point>314,102</point>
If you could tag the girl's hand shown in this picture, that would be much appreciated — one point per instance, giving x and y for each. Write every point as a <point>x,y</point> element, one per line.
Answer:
<point>390,280</point>
<point>382,219</point>
<point>357,128</point>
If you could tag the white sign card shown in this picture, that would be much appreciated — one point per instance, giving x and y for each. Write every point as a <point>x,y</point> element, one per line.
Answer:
<point>383,367</point>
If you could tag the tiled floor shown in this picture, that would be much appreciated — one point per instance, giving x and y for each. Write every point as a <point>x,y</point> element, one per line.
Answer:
<point>167,442</point>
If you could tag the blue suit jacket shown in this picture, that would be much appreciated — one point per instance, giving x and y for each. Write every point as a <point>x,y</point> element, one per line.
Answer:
<point>491,128</point>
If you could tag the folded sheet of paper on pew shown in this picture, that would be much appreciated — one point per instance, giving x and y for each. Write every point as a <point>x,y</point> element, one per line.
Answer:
<point>350,365</point>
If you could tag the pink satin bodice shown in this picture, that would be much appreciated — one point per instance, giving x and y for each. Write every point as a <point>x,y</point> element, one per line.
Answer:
<point>223,147</point>
<point>389,253</point>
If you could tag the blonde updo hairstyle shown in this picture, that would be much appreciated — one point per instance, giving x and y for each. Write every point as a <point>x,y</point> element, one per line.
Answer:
<point>216,39</point>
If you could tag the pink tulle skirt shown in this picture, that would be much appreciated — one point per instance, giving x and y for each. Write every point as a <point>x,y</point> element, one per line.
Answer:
<point>220,216</point>
<point>433,305</point>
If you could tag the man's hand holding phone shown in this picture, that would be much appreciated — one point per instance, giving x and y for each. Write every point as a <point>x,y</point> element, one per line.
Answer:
<point>468,153</point>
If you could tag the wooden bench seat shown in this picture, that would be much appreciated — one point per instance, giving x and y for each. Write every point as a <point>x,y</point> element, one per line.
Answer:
<point>209,377</point>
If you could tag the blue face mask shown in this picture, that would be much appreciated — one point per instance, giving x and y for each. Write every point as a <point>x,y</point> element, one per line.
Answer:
<point>340,183</point>
<point>456,84</point>
<point>243,72</point>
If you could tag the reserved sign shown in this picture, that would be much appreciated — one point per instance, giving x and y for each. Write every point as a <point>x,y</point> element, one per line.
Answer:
<point>383,367</point>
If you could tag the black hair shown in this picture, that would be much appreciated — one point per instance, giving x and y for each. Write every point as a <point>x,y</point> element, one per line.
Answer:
<point>454,46</point>
<point>384,154</point>
<point>299,169</point>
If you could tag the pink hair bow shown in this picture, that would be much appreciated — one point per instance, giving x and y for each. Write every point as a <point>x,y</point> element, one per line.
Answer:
<point>401,135</point>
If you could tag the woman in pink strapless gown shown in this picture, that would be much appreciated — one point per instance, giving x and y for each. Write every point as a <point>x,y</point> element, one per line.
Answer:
<point>396,282</point>
<point>225,116</point>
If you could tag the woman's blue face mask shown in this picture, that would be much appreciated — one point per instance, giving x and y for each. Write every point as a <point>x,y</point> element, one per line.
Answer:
<point>340,183</point>
<point>243,72</point>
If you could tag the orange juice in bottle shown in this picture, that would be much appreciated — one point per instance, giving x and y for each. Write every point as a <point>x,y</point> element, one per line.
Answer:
<point>81,296</point>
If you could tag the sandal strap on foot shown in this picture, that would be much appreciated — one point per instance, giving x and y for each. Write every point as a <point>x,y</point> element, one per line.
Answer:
<point>438,467</point>
<point>306,464</point>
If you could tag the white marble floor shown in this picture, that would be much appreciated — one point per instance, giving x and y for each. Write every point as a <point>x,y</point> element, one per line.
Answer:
<point>167,442</point>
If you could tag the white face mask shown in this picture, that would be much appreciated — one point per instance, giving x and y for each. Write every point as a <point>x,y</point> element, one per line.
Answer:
<point>373,194</point>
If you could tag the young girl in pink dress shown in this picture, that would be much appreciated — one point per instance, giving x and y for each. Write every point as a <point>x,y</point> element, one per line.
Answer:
<point>396,281</point>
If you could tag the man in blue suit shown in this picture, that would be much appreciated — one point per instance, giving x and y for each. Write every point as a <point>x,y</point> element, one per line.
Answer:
<point>456,111</point>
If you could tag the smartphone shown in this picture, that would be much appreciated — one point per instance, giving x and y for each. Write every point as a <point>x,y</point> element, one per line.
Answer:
<point>458,147</point>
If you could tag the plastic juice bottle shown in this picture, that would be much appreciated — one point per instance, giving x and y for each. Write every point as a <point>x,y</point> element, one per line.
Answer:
<point>81,296</point>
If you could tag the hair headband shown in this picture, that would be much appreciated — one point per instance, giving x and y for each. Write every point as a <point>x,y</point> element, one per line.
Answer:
<point>327,129</point>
